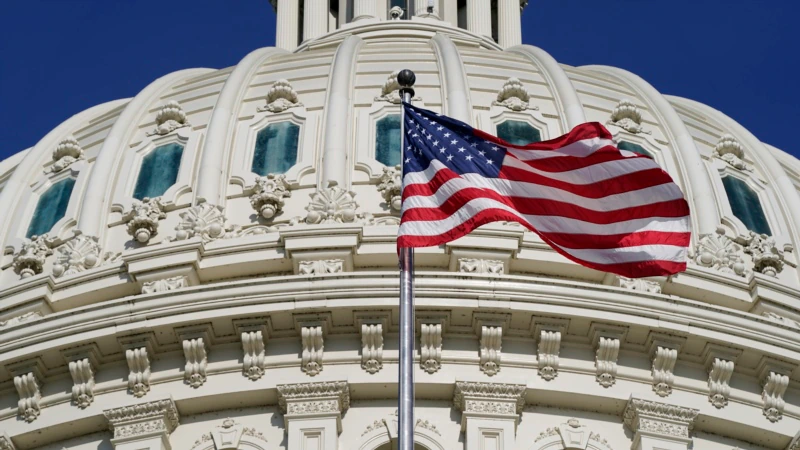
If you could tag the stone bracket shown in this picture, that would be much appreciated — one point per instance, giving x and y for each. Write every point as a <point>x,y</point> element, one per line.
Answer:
<point>83,362</point>
<point>139,349</point>
<point>196,341</point>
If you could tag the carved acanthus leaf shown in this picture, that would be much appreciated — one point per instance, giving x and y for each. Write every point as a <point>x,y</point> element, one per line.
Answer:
<point>430,351</point>
<point>144,418</point>
<point>254,353</point>
<point>28,316</point>
<point>549,348</point>
<point>204,220</point>
<point>280,97</point>
<point>331,205</point>
<point>139,370</point>
<point>79,254</point>
<point>268,195</point>
<point>719,252</point>
<point>626,115</point>
<point>775,385</point>
<point>166,284</point>
<point>30,259</point>
<point>767,257</point>
<point>475,265</point>
<point>638,284</point>
<point>329,396</point>
<point>391,90</point>
<point>731,151</point>
<point>169,118</point>
<point>514,96</point>
<point>719,378</point>
<point>664,359</point>
<point>195,350</point>
<point>27,385</point>
<point>390,187</point>
<point>605,363</point>
<point>143,218</point>
<point>67,152</point>
<point>466,391</point>
<point>313,348</point>
<point>372,347</point>
<point>491,342</point>
<point>659,418</point>
<point>82,368</point>
<point>320,267</point>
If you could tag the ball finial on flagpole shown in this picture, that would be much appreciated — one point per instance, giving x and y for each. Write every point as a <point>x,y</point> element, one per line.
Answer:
<point>406,79</point>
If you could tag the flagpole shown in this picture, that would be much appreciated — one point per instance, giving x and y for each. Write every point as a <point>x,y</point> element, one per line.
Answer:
<point>405,432</point>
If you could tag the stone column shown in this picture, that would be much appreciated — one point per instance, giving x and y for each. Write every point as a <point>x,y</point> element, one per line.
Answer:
<point>479,17</point>
<point>364,9</point>
<point>145,426</point>
<point>659,426</point>
<point>313,413</point>
<point>286,29</point>
<point>509,23</point>
<point>489,413</point>
<point>315,19</point>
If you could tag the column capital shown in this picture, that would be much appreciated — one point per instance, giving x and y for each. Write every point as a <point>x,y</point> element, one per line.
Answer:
<point>314,400</point>
<point>494,400</point>
<point>158,418</point>
<point>648,418</point>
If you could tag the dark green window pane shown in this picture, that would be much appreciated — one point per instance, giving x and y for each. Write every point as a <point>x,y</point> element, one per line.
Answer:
<point>518,133</point>
<point>745,205</point>
<point>276,148</point>
<point>387,140</point>
<point>635,148</point>
<point>51,207</point>
<point>159,171</point>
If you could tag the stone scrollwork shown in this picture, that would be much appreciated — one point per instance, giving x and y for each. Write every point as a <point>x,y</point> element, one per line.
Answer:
<point>390,92</point>
<point>166,284</point>
<point>390,187</point>
<point>718,252</point>
<point>659,418</point>
<point>27,386</point>
<point>331,205</point>
<point>159,416</point>
<point>719,378</point>
<point>626,115</point>
<point>30,259</point>
<point>767,257</point>
<point>605,363</point>
<point>514,96</point>
<point>475,265</point>
<point>664,359</point>
<point>81,368</point>
<point>67,152</point>
<point>269,193</point>
<point>254,353</point>
<point>775,385</point>
<point>195,349</point>
<point>320,267</point>
<point>313,347</point>
<point>169,118</point>
<point>430,351</point>
<point>138,370</point>
<point>372,347</point>
<point>280,97</point>
<point>79,254</point>
<point>491,342</point>
<point>143,218</point>
<point>549,347</point>
<point>731,151</point>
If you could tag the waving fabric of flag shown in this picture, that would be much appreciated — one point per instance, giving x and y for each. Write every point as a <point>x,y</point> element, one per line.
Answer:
<point>611,210</point>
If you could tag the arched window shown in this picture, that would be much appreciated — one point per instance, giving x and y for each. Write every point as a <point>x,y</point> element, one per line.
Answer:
<point>387,140</point>
<point>635,148</point>
<point>159,171</point>
<point>276,148</point>
<point>51,207</point>
<point>745,205</point>
<point>518,133</point>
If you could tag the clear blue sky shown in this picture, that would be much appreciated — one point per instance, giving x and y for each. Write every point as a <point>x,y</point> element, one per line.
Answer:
<point>58,57</point>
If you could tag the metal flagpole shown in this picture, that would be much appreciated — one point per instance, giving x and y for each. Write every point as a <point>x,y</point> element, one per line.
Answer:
<point>405,432</point>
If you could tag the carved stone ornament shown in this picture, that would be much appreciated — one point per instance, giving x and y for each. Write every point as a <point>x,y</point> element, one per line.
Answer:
<point>731,151</point>
<point>204,220</point>
<point>487,266</point>
<point>549,347</point>
<point>430,351</point>
<point>390,92</point>
<point>372,347</point>
<point>769,314</point>
<point>311,398</point>
<point>320,267</point>
<point>156,417</point>
<point>719,252</point>
<point>143,218</point>
<point>79,254</point>
<point>719,378</point>
<point>28,316</point>
<point>390,187</point>
<point>664,359</point>
<point>571,435</point>
<point>492,398</point>
<point>169,118</point>
<point>30,259</point>
<point>491,342</point>
<point>659,418</point>
<point>255,358</point>
<point>313,347</point>
<point>638,284</point>
<point>514,96</point>
<point>27,386</point>
<point>195,349</point>
<point>167,284</point>
<point>605,361</point>
<point>775,385</point>
<point>81,369</point>
<point>228,435</point>
<point>6,443</point>
<point>280,97</point>
<point>626,115</point>
<point>331,205</point>
<point>767,257</point>
<point>67,152</point>
<point>268,195</point>
<point>139,370</point>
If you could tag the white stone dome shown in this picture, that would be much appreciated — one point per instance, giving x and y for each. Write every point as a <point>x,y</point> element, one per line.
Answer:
<point>229,284</point>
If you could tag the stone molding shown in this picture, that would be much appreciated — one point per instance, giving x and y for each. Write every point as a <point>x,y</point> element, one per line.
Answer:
<point>159,417</point>
<point>309,400</point>
<point>480,399</point>
<point>660,419</point>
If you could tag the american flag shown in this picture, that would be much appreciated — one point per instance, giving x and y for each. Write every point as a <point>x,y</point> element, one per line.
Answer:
<point>611,210</point>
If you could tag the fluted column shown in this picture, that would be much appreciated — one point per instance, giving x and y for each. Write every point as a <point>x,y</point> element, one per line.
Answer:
<point>315,19</point>
<point>509,23</point>
<point>364,9</point>
<point>479,17</point>
<point>286,29</point>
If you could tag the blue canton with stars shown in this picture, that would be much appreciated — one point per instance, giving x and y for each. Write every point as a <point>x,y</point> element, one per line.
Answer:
<point>431,136</point>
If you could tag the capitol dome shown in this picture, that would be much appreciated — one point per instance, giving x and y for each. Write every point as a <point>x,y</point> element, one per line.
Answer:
<point>211,264</point>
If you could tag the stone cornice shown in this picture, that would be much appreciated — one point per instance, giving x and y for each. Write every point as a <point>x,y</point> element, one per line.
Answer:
<point>295,394</point>
<point>142,419</point>
<point>480,391</point>
<point>645,416</point>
